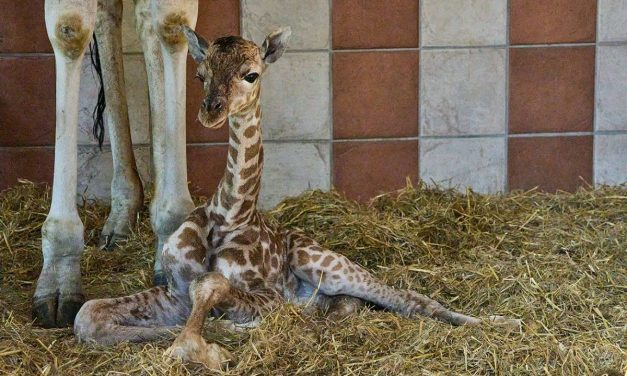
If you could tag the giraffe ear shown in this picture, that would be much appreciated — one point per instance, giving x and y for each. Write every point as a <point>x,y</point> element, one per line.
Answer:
<point>197,45</point>
<point>275,44</point>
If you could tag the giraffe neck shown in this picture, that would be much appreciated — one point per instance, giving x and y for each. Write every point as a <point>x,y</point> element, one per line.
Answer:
<point>235,200</point>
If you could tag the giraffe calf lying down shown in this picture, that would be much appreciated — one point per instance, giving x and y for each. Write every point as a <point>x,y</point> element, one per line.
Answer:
<point>226,258</point>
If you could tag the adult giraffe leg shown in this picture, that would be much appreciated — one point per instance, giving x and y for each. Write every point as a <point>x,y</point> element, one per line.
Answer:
<point>165,51</point>
<point>58,295</point>
<point>127,193</point>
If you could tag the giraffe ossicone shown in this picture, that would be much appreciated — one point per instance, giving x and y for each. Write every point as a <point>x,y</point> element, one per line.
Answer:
<point>227,258</point>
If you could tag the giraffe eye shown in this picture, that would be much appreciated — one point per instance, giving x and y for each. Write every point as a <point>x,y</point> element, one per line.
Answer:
<point>200,78</point>
<point>251,77</point>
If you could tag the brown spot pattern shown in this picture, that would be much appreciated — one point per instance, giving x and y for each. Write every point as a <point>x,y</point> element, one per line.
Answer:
<point>233,137</point>
<point>256,256</point>
<point>199,217</point>
<point>233,255</point>
<point>250,132</point>
<point>303,257</point>
<point>218,219</point>
<point>245,188</point>
<point>250,236</point>
<point>190,238</point>
<point>226,199</point>
<point>251,152</point>
<point>233,153</point>
<point>249,171</point>
<point>327,261</point>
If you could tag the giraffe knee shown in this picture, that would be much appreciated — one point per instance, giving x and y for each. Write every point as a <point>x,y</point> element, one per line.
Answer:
<point>168,213</point>
<point>71,34</point>
<point>171,33</point>
<point>210,286</point>
<point>87,327</point>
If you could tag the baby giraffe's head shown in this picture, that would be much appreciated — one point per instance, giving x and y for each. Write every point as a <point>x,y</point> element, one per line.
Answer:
<point>230,69</point>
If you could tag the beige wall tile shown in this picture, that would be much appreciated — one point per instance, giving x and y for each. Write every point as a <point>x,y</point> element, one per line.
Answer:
<point>611,98</point>
<point>463,22</point>
<point>88,95</point>
<point>295,97</point>
<point>462,92</point>
<point>292,168</point>
<point>478,163</point>
<point>136,95</point>
<point>95,170</point>
<point>610,159</point>
<point>309,21</point>
<point>612,20</point>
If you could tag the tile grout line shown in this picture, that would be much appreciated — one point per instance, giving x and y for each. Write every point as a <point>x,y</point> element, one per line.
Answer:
<point>438,137</point>
<point>611,43</point>
<point>419,89</point>
<point>362,140</point>
<point>349,50</point>
<point>596,92</point>
<point>241,17</point>
<point>331,122</point>
<point>17,55</point>
<point>507,94</point>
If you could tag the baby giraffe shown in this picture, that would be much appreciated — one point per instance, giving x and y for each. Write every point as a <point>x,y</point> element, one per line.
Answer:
<point>226,258</point>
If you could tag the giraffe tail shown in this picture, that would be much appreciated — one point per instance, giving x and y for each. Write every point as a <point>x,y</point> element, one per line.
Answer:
<point>148,315</point>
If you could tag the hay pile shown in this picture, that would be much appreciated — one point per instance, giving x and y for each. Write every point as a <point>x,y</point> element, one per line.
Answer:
<point>556,261</point>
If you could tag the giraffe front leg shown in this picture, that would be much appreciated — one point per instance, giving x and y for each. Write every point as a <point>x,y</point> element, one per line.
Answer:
<point>165,42</point>
<point>213,290</point>
<point>206,292</point>
<point>58,295</point>
<point>127,194</point>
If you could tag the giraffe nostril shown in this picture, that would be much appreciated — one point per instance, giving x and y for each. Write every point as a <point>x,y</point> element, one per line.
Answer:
<point>216,104</point>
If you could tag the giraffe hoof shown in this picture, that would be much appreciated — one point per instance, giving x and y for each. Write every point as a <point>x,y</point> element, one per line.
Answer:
<point>504,322</point>
<point>196,350</point>
<point>56,310</point>
<point>159,279</point>
<point>108,242</point>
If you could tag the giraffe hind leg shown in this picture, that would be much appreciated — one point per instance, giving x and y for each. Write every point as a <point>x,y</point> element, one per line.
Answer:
<point>337,275</point>
<point>151,314</point>
<point>127,195</point>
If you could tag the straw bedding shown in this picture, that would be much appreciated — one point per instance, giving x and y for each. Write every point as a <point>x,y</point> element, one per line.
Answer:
<point>558,262</point>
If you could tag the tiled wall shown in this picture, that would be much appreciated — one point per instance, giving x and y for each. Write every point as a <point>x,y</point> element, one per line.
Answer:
<point>492,94</point>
